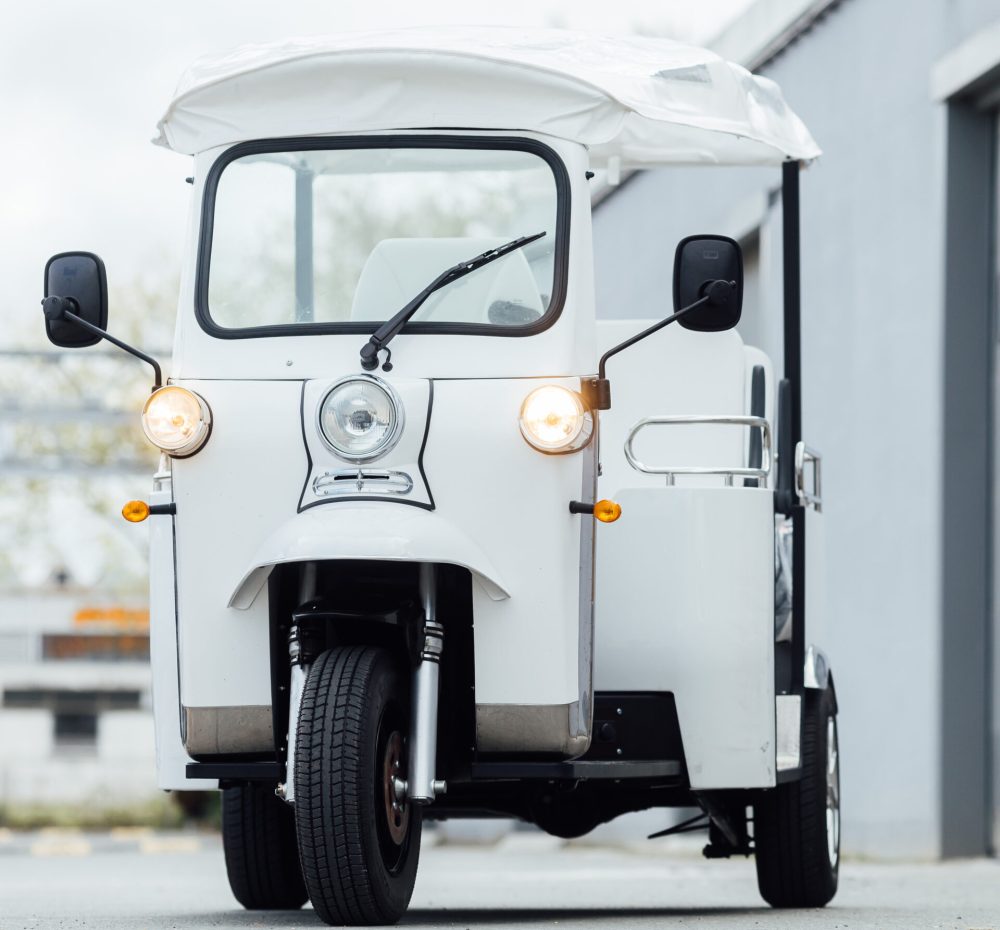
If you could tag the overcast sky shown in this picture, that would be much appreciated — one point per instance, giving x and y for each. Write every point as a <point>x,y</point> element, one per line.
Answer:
<point>82,85</point>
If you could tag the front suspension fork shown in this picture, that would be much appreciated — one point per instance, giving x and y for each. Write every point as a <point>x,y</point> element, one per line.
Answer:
<point>422,786</point>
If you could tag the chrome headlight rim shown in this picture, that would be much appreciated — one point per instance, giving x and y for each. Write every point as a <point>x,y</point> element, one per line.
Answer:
<point>393,436</point>
<point>197,441</point>
<point>580,441</point>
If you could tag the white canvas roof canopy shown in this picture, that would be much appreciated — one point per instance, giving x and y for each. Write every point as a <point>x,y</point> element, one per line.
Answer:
<point>644,101</point>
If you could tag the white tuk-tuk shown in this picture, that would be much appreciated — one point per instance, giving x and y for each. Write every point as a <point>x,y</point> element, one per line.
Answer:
<point>428,540</point>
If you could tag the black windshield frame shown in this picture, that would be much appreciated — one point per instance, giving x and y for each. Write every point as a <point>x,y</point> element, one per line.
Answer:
<point>502,143</point>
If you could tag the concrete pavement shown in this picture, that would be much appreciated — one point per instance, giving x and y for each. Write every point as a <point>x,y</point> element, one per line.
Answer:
<point>141,879</point>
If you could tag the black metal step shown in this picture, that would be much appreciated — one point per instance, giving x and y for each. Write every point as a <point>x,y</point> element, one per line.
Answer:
<point>579,769</point>
<point>236,771</point>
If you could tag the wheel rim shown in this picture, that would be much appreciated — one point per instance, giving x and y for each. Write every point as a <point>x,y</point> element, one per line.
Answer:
<point>832,793</point>
<point>393,821</point>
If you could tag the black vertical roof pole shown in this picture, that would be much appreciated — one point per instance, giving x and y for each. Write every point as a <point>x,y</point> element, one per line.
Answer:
<point>791,267</point>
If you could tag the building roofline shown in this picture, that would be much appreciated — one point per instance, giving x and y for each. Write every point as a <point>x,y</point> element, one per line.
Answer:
<point>755,38</point>
<point>766,28</point>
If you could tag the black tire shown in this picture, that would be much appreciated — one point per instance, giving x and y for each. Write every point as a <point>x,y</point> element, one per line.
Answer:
<point>358,843</point>
<point>262,858</point>
<point>797,847</point>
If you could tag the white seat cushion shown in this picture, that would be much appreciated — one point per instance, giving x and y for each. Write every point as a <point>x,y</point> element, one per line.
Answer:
<point>398,269</point>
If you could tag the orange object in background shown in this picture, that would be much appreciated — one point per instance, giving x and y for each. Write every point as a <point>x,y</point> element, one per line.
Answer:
<point>118,617</point>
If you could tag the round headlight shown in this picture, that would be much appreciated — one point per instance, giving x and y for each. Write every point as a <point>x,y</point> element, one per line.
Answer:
<point>360,418</point>
<point>176,420</point>
<point>556,420</point>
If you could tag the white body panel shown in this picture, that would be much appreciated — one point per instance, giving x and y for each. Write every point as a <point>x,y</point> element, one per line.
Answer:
<point>675,371</point>
<point>244,501</point>
<point>685,578</point>
<point>238,515</point>
<point>685,603</point>
<point>171,757</point>
<point>382,531</point>
<point>230,497</point>
<point>515,503</point>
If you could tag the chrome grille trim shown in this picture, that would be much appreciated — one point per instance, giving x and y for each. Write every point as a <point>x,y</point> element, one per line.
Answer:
<point>344,482</point>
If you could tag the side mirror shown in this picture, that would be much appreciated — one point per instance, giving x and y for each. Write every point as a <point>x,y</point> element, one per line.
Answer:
<point>75,282</point>
<point>701,261</point>
<point>76,306</point>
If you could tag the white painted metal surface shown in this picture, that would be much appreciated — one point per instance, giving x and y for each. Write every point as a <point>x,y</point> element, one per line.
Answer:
<point>685,579</point>
<point>383,531</point>
<point>672,372</point>
<point>171,757</point>
<point>635,101</point>
<point>685,603</point>
<point>230,496</point>
<point>501,510</point>
<point>514,502</point>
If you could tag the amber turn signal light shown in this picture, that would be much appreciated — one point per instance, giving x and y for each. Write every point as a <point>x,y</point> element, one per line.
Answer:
<point>607,511</point>
<point>135,511</point>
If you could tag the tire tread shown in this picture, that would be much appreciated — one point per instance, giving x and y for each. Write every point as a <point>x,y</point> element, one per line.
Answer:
<point>262,861</point>
<point>331,786</point>
<point>793,868</point>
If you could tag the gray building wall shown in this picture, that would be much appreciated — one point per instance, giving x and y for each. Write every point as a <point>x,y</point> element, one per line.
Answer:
<point>874,399</point>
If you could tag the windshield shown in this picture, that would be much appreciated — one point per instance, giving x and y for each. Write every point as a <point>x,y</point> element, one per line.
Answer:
<point>339,239</point>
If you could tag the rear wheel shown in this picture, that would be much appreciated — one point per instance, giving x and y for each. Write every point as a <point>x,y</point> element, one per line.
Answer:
<point>359,839</point>
<point>797,825</point>
<point>262,858</point>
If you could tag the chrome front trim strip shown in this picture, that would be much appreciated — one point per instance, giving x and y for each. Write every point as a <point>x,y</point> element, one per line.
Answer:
<point>346,481</point>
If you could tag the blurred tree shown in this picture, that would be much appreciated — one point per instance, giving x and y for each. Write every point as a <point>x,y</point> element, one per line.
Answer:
<point>71,451</point>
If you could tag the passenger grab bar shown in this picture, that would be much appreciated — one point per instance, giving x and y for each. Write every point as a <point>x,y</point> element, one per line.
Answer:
<point>728,472</point>
<point>805,456</point>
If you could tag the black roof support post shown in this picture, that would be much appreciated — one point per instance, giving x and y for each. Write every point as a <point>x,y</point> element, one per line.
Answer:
<point>791,268</point>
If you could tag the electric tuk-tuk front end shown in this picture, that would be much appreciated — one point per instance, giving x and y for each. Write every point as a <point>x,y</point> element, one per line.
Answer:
<point>428,540</point>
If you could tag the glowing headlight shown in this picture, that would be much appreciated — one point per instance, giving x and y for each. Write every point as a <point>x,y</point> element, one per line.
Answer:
<point>555,420</point>
<point>176,420</point>
<point>360,418</point>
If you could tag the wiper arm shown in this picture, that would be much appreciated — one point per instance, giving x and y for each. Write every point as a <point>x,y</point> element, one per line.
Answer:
<point>385,333</point>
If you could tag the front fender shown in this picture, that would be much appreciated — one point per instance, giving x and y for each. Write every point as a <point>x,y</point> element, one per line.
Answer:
<point>373,531</point>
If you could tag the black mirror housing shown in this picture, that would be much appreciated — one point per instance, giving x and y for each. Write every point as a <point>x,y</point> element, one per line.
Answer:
<point>699,262</point>
<point>80,280</point>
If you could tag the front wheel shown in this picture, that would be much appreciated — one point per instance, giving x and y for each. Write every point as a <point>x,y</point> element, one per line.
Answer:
<point>258,838</point>
<point>359,839</point>
<point>797,825</point>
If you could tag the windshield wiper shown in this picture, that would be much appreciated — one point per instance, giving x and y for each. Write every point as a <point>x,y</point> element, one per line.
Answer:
<point>385,333</point>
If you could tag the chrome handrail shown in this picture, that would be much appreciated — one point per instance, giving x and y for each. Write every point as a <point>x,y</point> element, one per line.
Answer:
<point>728,472</point>
<point>803,456</point>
